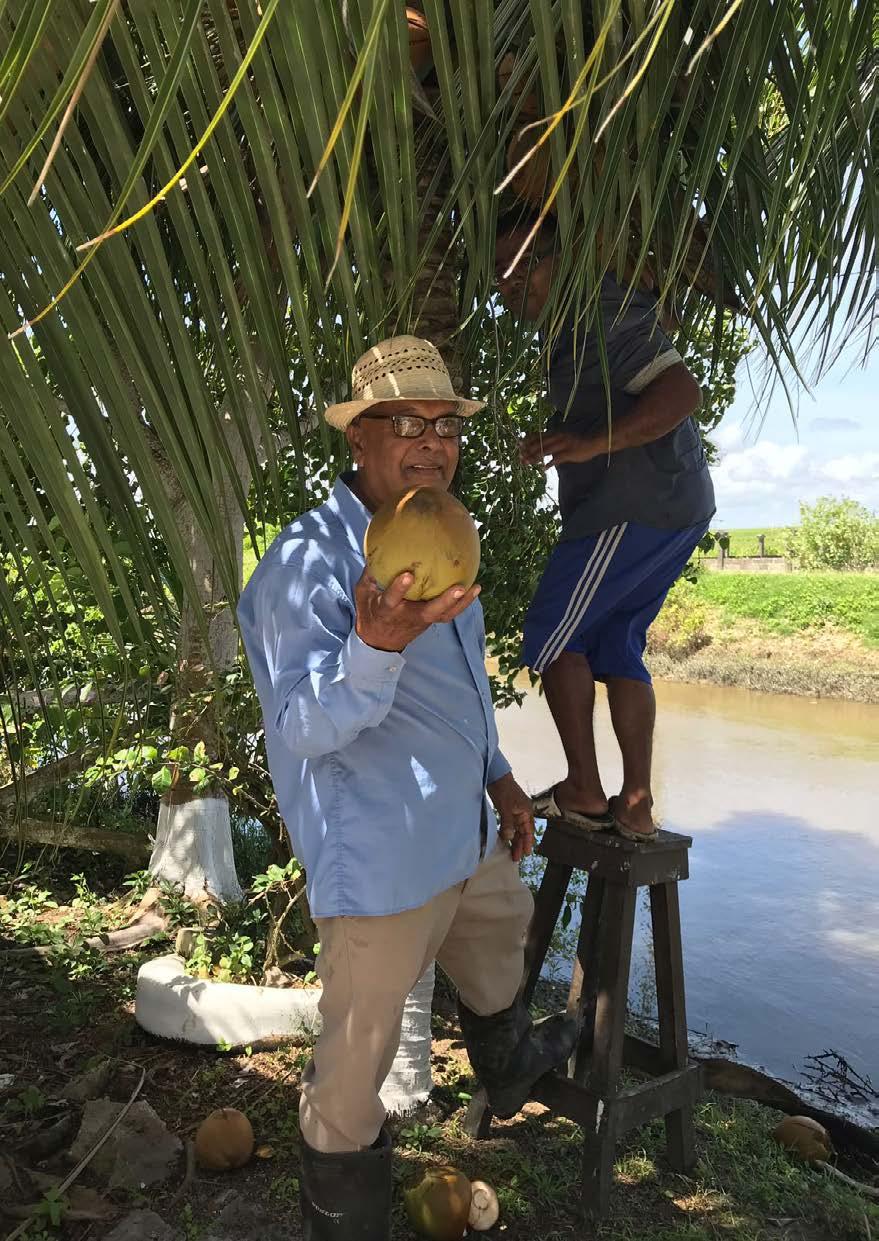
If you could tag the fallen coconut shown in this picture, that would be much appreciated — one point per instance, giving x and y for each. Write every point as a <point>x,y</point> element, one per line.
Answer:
<point>426,532</point>
<point>804,1137</point>
<point>224,1140</point>
<point>484,1207</point>
<point>439,1206</point>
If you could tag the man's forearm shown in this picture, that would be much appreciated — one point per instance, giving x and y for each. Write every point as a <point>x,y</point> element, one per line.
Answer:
<point>663,405</point>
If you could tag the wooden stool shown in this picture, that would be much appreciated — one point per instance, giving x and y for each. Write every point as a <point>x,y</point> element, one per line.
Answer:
<point>591,1094</point>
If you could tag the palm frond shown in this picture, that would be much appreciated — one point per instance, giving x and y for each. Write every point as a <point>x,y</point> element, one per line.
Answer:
<point>719,152</point>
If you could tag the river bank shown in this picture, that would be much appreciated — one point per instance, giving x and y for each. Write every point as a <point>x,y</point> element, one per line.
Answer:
<point>813,635</point>
<point>823,664</point>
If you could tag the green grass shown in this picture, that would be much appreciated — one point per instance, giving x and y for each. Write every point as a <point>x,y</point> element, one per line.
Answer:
<point>250,556</point>
<point>743,1187</point>
<point>791,603</point>
<point>744,542</point>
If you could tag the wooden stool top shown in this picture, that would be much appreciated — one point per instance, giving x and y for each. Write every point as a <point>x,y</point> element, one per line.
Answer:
<point>608,856</point>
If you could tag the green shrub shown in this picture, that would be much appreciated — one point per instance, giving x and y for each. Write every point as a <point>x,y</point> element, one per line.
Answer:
<point>835,534</point>
<point>682,626</point>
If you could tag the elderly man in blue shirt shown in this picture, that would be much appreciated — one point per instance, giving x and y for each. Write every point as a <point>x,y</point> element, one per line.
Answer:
<point>382,746</point>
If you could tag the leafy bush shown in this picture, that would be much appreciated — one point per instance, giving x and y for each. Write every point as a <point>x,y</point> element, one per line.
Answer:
<point>682,626</point>
<point>835,534</point>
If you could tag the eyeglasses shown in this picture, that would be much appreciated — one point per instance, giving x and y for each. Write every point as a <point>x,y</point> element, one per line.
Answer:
<point>411,426</point>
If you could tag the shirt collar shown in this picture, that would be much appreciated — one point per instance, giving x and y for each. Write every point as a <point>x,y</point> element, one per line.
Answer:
<point>351,513</point>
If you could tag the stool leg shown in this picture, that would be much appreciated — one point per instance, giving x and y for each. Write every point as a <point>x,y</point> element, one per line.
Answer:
<point>547,907</point>
<point>599,1129</point>
<point>673,1047</point>
<point>584,982</point>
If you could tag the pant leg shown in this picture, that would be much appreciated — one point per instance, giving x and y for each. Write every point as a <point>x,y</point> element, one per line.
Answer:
<point>484,950</point>
<point>367,967</point>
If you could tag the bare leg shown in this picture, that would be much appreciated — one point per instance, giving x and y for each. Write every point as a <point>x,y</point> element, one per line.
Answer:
<point>633,714</point>
<point>570,692</point>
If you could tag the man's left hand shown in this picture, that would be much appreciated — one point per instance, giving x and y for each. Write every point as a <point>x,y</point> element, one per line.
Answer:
<point>562,447</point>
<point>513,806</point>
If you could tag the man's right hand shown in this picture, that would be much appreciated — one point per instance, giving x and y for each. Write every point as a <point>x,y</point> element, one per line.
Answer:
<point>388,621</point>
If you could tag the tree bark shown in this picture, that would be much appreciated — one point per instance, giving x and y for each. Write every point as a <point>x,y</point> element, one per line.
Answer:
<point>194,837</point>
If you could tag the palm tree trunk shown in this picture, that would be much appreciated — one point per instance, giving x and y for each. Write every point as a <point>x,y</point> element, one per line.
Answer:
<point>193,846</point>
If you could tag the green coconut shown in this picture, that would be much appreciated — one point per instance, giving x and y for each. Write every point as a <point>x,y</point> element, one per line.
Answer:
<point>439,1206</point>
<point>428,533</point>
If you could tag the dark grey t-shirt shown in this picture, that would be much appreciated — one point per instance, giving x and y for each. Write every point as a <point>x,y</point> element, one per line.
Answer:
<point>665,484</point>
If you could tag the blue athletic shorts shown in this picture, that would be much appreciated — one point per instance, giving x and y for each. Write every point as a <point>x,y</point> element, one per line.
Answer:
<point>598,596</point>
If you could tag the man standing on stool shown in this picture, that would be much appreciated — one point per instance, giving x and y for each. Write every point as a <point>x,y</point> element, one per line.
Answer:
<point>635,497</point>
<point>382,744</point>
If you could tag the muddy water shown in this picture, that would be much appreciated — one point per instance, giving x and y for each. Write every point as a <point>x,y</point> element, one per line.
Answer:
<point>781,910</point>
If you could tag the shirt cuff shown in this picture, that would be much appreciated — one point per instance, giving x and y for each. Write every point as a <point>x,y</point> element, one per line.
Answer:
<point>365,666</point>
<point>497,768</point>
<point>647,374</point>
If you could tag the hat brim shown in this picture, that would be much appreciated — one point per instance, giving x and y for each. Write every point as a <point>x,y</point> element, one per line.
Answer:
<point>343,414</point>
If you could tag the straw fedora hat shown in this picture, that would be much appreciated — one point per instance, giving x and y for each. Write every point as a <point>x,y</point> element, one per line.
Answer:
<point>403,368</point>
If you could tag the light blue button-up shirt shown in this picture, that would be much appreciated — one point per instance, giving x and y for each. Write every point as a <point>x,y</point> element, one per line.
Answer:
<point>379,760</point>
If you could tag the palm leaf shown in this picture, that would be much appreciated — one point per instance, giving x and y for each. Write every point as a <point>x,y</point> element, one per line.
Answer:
<point>711,149</point>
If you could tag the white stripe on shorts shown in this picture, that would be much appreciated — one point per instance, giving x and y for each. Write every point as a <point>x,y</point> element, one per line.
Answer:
<point>582,595</point>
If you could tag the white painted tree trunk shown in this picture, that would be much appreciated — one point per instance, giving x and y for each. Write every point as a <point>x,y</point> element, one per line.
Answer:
<point>193,846</point>
<point>409,1082</point>
<point>194,849</point>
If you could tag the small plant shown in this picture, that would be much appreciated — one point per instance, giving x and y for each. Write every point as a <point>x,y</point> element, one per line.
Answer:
<point>285,1189</point>
<point>191,1230</point>
<point>138,883</point>
<point>85,898</point>
<point>27,1103</point>
<point>420,1137</point>
<point>29,902</point>
<point>200,961</point>
<point>237,962</point>
<point>51,1208</point>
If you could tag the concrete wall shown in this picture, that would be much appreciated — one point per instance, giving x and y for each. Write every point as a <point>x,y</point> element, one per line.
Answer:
<point>747,564</point>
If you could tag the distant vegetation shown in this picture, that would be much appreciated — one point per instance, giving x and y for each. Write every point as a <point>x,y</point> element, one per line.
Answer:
<point>745,542</point>
<point>833,533</point>
<point>788,603</point>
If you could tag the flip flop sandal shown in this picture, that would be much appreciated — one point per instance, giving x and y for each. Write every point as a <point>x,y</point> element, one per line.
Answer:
<point>545,805</point>
<point>637,837</point>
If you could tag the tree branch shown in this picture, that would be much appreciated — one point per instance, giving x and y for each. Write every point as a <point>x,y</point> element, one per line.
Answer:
<point>134,847</point>
<point>31,782</point>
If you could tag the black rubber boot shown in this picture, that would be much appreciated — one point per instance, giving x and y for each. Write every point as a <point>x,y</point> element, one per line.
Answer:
<point>347,1197</point>
<point>509,1052</point>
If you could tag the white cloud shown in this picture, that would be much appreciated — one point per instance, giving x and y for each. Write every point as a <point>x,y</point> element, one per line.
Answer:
<point>834,424</point>
<point>765,481</point>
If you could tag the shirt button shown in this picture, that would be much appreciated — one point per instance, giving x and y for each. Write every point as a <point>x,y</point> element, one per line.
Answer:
<point>392,667</point>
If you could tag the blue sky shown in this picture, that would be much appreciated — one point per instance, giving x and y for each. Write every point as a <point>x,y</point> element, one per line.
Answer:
<point>768,463</point>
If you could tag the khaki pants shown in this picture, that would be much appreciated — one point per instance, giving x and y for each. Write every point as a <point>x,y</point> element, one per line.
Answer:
<point>368,966</point>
